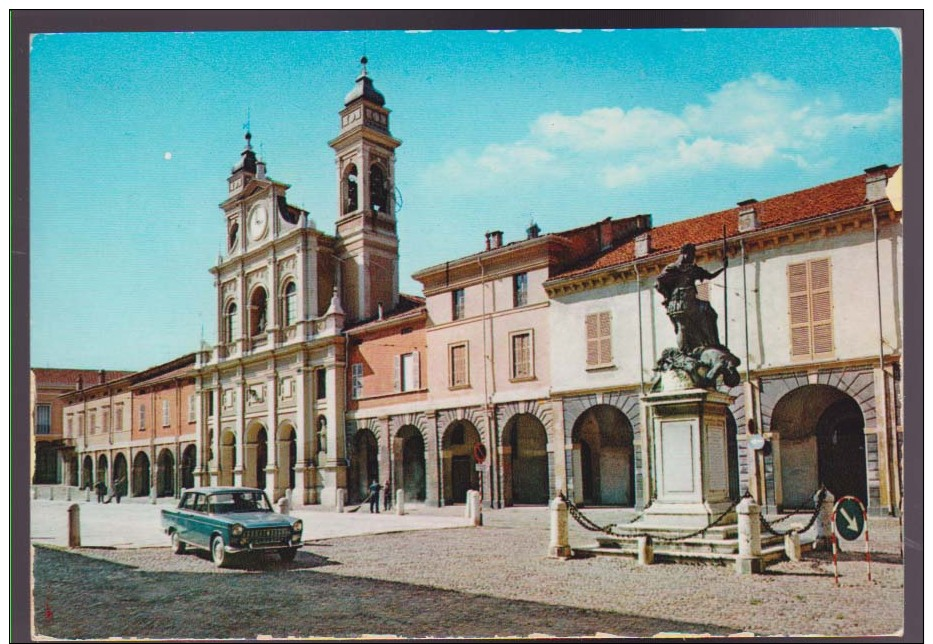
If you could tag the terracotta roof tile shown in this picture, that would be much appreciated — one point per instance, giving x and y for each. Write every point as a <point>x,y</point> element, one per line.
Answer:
<point>777,211</point>
<point>68,377</point>
<point>407,304</point>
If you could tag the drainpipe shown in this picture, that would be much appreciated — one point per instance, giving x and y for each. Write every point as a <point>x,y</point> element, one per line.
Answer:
<point>641,345</point>
<point>493,431</point>
<point>748,366</point>
<point>891,432</point>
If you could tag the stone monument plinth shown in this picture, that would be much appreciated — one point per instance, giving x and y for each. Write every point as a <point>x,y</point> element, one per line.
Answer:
<point>690,459</point>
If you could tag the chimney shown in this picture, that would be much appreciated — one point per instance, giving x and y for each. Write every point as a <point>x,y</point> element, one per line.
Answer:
<point>642,244</point>
<point>487,241</point>
<point>379,310</point>
<point>260,169</point>
<point>533,230</point>
<point>876,180</point>
<point>605,233</point>
<point>494,240</point>
<point>80,384</point>
<point>102,377</point>
<point>748,215</point>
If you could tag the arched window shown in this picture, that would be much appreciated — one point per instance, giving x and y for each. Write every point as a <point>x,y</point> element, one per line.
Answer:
<point>290,304</point>
<point>257,305</point>
<point>231,328</point>
<point>351,190</point>
<point>233,236</point>
<point>378,188</point>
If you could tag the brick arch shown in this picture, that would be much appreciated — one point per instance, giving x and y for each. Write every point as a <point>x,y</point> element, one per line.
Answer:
<point>626,402</point>
<point>858,384</point>
<point>536,408</point>
<point>416,420</point>
<point>473,415</point>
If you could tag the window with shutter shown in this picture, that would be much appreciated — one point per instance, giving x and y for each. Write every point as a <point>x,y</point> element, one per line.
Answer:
<point>458,366</point>
<point>415,370</point>
<point>356,375</point>
<point>810,309</point>
<point>142,417</point>
<point>165,414</point>
<point>191,409</point>
<point>522,367</point>
<point>397,373</point>
<point>599,339</point>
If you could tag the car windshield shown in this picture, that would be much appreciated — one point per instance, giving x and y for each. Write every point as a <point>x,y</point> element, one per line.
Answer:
<point>232,502</point>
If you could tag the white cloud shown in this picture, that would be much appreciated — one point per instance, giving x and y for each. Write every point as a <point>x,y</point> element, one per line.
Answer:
<point>745,124</point>
<point>608,128</point>
<point>418,31</point>
<point>569,31</point>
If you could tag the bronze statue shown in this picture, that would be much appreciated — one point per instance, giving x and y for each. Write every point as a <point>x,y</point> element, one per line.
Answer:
<point>699,354</point>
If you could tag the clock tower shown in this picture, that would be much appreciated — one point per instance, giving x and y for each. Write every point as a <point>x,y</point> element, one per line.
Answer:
<point>367,240</point>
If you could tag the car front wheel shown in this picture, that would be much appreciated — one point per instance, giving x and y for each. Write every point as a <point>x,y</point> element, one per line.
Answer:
<point>288,554</point>
<point>178,546</point>
<point>218,554</point>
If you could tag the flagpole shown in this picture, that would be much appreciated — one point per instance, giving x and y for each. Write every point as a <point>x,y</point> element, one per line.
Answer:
<point>725,288</point>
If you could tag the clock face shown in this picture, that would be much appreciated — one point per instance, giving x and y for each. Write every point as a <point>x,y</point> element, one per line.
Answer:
<point>258,219</point>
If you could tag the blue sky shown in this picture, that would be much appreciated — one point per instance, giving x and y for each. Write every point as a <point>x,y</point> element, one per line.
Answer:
<point>133,136</point>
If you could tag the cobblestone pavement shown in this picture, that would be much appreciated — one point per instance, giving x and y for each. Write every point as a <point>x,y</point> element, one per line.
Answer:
<point>487,581</point>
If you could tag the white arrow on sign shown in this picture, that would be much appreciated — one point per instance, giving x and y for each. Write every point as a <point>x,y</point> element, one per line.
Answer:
<point>853,524</point>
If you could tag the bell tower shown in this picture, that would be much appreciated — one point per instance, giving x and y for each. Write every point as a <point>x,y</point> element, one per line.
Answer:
<point>366,225</point>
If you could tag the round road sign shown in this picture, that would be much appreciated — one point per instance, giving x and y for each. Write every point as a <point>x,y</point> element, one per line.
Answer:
<point>479,453</point>
<point>756,441</point>
<point>849,515</point>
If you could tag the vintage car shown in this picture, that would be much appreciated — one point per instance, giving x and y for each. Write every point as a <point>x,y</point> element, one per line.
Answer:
<point>229,521</point>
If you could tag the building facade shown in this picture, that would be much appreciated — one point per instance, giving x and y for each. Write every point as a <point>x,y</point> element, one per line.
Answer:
<point>135,432</point>
<point>536,353</point>
<point>53,455</point>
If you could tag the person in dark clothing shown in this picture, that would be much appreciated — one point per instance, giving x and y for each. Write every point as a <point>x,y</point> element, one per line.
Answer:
<point>374,488</point>
<point>101,488</point>
<point>118,487</point>
<point>387,495</point>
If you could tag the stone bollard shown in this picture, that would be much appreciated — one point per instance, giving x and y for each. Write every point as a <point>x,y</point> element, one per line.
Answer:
<point>288,495</point>
<point>68,493</point>
<point>152,496</point>
<point>74,526</point>
<point>51,493</point>
<point>749,519</point>
<point>476,509</point>
<point>341,499</point>
<point>87,495</point>
<point>283,506</point>
<point>35,492</point>
<point>645,550</point>
<point>824,522</point>
<point>559,548</point>
<point>400,502</point>
<point>792,545</point>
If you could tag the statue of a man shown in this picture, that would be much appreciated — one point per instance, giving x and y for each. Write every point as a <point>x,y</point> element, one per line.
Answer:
<point>694,319</point>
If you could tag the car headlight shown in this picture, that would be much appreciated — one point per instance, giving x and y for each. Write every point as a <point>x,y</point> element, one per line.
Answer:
<point>236,530</point>
<point>297,526</point>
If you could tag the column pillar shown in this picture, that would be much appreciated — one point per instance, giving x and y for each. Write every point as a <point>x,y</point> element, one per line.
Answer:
<point>275,485</point>
<point>560,446</point>
<point>239,393</point>
<point>335,469</point>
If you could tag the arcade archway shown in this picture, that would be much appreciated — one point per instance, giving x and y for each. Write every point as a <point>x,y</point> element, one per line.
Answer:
<point>606,465</point>
<point>459,469</point>
<point>822,441</point>
<point>165,473</point>
<point>525,471</point>
<point>411,472</point>
<point>188,464</point>
<point>141,475</point>
<point>364,465</point>
<point>227,458</point>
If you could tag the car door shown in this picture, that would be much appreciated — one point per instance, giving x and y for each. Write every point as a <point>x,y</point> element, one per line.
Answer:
<point>183,516</point>
<point>200,523</point>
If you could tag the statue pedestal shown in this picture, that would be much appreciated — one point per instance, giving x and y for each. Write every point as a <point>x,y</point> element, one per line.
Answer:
<point>689,458</point>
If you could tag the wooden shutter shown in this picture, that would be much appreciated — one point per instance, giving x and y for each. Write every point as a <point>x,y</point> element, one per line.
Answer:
<point>416,370</point>
<point>605,337</point>
<point>592,339</point>
<point>810,309</point>
<point>397,373</point>
<point>821,307</point>
<point>799,308</point>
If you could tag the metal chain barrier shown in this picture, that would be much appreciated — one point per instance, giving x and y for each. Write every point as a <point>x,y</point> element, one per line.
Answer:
<point>769,526</point>
<point>796,511</point>
<point>592,526</point>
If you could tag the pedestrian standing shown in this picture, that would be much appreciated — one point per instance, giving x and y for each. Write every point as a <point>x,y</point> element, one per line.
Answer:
<point>118,487</point>
<point>101,491</point>
<point>374,488</point>
<point>387,496</point>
